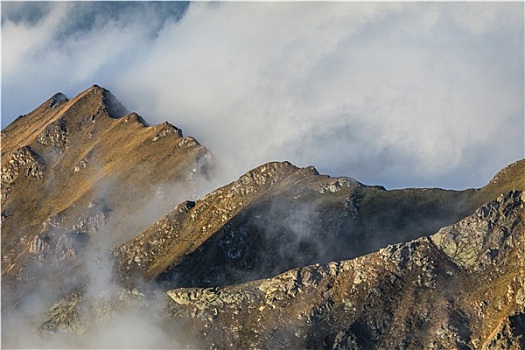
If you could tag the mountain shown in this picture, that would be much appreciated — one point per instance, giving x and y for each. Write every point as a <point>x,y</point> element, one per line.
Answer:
<point>104,235</point>
<point>278,216</point>
<point>460,288</point>
<point>83,172</point>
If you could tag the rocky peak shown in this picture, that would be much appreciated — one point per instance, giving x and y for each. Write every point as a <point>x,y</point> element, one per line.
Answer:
<point>112,104</point>
<point>68,154</point>
<point>57,99</point>
<point>167,129</point>
<point>101,101</point>
<point>269,171</point>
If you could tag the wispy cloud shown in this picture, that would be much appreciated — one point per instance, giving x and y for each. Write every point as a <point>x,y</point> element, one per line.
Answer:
<point>421,94</point>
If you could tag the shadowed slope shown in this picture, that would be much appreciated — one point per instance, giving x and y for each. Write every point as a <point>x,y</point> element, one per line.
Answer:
<point>277,217</point>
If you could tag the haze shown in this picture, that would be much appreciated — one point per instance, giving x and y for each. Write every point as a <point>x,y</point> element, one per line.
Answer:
<point>397,94</point>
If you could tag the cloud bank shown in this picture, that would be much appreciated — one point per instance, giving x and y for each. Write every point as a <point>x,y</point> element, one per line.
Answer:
<point>398,94</point>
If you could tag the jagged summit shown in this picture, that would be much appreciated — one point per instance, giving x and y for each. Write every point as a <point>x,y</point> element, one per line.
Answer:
<point>102,99</point>
<point>94,102</point>
<point>67,154</point>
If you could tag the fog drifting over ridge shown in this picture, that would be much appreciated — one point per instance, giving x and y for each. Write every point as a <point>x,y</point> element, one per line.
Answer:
<point>398,94</point>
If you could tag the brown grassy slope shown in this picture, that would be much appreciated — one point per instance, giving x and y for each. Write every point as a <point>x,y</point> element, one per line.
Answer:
<point>27,127</point>
<point>511,177</point>
<point>191,224</point>
<point>86,151</point>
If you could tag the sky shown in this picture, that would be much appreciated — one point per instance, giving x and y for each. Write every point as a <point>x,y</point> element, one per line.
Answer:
<point>400,94</point>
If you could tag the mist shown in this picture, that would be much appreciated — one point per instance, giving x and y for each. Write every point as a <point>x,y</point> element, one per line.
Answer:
<point>66,294</point>
<point>397,94</point>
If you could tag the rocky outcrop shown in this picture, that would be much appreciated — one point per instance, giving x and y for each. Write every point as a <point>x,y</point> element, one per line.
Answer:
<point>24,161</point>
<point>55,135</point>
<point>474,244</point>
<point>79,314</point>
<point>63,316</point>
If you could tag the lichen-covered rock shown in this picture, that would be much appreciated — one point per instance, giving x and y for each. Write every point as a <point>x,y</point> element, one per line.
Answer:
<point>476,242</point>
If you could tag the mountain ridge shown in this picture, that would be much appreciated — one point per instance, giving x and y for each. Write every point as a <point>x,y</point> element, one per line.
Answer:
<point>112,210</point>
<point>366,302</point>
<point>78,157</point>
<point>366,210</point>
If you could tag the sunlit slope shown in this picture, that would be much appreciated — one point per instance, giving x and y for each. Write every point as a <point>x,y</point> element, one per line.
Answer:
<point>71,161</point>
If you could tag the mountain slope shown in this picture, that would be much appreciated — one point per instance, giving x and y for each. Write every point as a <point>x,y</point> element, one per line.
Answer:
<point>463,287</point>
<point>79,171</point>
<point>511,177</point>
<point>100,220</point>
<point>277,217</point>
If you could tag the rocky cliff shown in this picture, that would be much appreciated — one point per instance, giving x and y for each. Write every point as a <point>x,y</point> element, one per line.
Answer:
<point>102,228</point>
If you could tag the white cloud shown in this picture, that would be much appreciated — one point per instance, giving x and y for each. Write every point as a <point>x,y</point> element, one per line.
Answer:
<point>398,93</point>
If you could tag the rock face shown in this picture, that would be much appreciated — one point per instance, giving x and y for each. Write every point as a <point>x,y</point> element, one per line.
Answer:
<point>435,292</point>
<point>102,230</point>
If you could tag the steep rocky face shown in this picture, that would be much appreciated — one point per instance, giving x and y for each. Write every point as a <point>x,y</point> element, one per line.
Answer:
<point>437,292</point>
<point>82,173</point>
